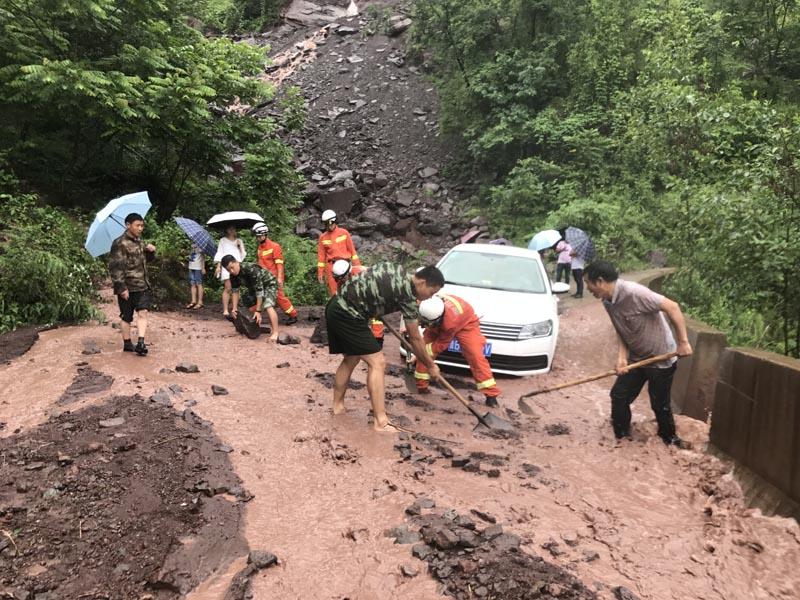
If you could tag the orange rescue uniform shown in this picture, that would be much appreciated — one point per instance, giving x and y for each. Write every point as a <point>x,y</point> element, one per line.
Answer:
<point>459,322</point>
<point>375,324</point>
<point>334,245</point>
<point>270,255</point>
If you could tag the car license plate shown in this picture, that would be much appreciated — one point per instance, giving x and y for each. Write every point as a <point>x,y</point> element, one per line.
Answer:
<point>456,347</point>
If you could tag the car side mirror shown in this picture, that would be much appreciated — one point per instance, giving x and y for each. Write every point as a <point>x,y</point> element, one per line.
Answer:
<point>560,287</point>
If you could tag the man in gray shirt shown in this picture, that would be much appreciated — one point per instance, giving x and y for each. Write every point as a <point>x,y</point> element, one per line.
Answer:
<point>638,316</point>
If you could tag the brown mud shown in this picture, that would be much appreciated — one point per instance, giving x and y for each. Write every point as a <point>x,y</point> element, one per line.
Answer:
<point>114,501</point>
<point>18,342</point>
<point>661,522</point>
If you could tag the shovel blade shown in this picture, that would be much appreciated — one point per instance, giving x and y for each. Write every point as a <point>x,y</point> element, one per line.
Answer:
<point>411,382</point>
<point>495,422</point>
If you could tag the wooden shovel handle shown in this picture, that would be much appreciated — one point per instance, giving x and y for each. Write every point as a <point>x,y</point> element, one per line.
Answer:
<point>636,365</point>
<point>441,379</point>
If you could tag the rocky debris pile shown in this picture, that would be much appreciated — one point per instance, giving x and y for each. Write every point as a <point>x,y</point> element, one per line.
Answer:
<point>241,588</point>
<point>18,342</point>
<point>327,379</point>
<point>330,448</point>
<point>101,502</point>
<point>86,381</point>
<point>370,149</point>
<point>471,561</point>
<point>557,429</point>
<point>320,335</point>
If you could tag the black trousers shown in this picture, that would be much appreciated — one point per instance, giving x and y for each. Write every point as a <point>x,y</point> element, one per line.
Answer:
<point>627,388</point>
<point>578,275</point>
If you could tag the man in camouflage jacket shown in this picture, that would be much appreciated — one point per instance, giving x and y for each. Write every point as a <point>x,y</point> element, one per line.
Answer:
<point>261,292</point>
<point>128,269</point>
<point>383,289</point>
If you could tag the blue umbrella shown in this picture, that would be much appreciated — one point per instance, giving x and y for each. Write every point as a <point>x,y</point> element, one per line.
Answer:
<point>109,223</point>
<point>544,239</point>
<point>199,236</point>
<point>581,243</point>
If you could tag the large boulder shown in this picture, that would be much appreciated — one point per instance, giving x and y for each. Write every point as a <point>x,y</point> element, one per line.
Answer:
<point>340,201</point>
<point>381,216</point>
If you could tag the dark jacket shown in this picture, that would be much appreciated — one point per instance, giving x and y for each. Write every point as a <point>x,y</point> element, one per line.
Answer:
<point>127,264</point>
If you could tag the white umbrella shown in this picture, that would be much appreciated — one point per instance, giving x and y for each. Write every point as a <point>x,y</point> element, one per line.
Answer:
<point>238,218</point>
<point>544,239</point>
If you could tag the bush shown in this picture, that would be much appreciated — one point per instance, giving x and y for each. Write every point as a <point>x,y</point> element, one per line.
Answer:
<point>45,275</point>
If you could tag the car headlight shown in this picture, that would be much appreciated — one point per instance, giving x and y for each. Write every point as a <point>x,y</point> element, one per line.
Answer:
<point>541,329</point>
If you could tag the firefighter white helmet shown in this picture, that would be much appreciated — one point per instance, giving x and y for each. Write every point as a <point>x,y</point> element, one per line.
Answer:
<point>328,215</point>
<point>260,229</point>
<point>431,310</point>
<point>340,269</point>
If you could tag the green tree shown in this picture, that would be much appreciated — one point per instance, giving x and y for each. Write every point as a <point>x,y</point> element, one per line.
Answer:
<point>99,97</point>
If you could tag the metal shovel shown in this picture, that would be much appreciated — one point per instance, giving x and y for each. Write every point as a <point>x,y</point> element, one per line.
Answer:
<point>525,407</point>
<point>489,420</point>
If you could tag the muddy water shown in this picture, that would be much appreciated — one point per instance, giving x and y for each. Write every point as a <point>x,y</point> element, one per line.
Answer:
<point>326,488</point>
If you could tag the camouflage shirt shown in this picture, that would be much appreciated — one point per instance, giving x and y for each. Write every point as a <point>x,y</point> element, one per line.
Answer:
<point>380,290</point>
<point>126,264</point>
<point>258,283</point>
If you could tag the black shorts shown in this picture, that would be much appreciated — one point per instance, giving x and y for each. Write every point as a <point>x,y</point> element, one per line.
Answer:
<point>349,335</point>
<point>136,301</point>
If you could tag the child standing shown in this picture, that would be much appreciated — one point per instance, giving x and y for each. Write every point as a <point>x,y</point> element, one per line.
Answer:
<point>197,268</point>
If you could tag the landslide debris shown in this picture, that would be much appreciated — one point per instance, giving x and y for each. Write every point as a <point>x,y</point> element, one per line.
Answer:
<point>122,500</point>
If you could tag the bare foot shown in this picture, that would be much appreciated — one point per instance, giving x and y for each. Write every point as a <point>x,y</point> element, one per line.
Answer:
<point>338,408</point>
<point>273,338</point>
<point>387,427</point>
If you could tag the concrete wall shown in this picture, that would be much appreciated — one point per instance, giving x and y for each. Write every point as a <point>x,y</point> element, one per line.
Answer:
<point>695,380</point>
<point>756,417</point>
<point>753,399</point>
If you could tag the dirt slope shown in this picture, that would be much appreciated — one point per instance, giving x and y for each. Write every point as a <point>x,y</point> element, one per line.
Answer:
<point>371,148</point>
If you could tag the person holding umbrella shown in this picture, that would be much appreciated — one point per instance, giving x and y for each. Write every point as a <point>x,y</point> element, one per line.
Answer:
<point>230,245</point>
<point>197,268</point>
<point>127,266</point>
<point>202,245</point>
<point>582,252</point>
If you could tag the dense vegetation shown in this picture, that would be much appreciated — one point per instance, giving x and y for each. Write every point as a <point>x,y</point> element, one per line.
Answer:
<point>667,124</point>
<point>99,98</point>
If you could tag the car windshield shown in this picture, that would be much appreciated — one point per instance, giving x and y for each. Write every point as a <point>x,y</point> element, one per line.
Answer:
<point>494,271</point>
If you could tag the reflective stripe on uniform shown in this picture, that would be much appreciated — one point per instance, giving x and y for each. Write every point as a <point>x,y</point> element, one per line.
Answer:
<point>278,261</point>
<point>418,375</point>
<point>429,349</point>
<point>265,252</point>
<point>289,310</point>
<point>354,257</point>
<point>327,242</point>
<point>341,238</point>
<point>320,265</point>
<point>454,301</point>
<point>485,384</point>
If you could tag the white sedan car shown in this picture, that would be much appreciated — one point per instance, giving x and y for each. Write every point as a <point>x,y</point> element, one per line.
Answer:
<point>511,293</point>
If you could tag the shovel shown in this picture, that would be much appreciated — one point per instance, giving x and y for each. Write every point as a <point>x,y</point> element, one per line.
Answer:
<point>525,407</point>
<point>489,420</point>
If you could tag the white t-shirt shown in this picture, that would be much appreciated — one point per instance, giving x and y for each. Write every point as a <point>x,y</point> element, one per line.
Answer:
<point>235,248</point>
<point>577,262</point>
<point>196,259</point>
